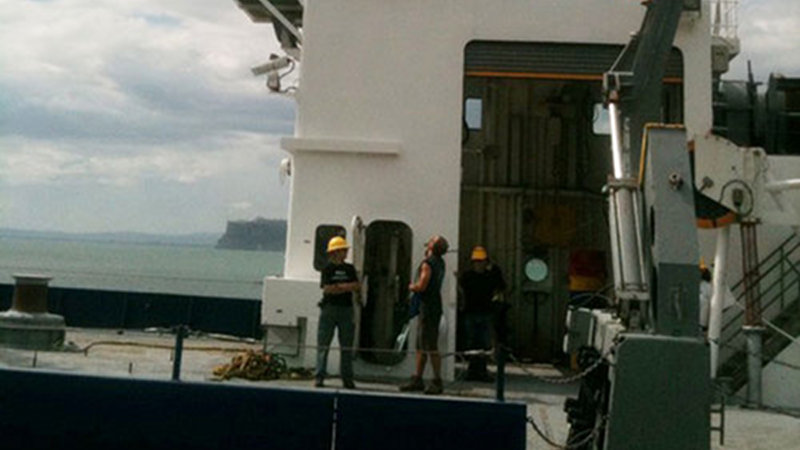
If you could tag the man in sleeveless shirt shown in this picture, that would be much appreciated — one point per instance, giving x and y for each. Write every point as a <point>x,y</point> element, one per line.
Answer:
<point>429,285</point>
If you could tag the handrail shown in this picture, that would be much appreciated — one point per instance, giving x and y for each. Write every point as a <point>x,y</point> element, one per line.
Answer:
<point>764,306</point>
<point>768,304</point>
<point>783,258</point>
<point>764,292</point>
<point>770,255</point>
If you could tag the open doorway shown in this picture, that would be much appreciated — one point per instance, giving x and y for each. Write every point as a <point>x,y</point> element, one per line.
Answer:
<point>387,269</point>
<point>534,161</point>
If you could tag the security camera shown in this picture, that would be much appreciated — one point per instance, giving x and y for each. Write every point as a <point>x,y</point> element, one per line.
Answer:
<point>275,63</point>
<point>274,81</point>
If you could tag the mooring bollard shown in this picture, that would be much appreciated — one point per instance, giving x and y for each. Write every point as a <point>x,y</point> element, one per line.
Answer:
<point>27,324</point>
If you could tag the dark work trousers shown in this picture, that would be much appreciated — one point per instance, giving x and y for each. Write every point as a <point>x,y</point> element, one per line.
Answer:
<point>334,317</point>
<point>478,330</point>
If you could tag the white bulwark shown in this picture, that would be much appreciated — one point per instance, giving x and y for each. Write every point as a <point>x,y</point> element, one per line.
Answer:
<point>475,120</point>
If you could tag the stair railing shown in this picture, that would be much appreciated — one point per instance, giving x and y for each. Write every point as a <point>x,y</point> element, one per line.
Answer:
<point>780,274</point>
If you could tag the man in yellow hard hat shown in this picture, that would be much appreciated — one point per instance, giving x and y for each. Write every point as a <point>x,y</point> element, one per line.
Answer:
<point>338,282</point>
<point>480,285</point>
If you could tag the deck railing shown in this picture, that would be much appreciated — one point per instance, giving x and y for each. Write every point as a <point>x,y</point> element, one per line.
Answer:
<point>725,18</point>
<point>779,283</point>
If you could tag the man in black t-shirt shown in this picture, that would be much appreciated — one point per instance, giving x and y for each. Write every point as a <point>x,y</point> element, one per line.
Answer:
<point>480,286</point>
<point>338,282</point>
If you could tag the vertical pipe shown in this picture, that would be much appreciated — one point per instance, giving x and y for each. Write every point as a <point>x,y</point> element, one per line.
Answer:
<point>754,361</point>
<point>614,235</point>
<point>176,362</point>
<point>751,278</point>
<point>616,142</point>
<point>359,297</point>
<point>628,244</point>
<point>501,372</point>
<point>717,296</point>
<point>637,219</point>
<point>518,256</point>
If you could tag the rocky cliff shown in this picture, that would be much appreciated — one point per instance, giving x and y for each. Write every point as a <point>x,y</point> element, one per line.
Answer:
<point>256,234</point>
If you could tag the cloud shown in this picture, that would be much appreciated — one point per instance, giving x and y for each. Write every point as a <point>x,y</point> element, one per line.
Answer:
<point>241,206</point>
<point>769,31</point>
<point>40,162</point>
<point>84,69</point>
<point>137,105</point>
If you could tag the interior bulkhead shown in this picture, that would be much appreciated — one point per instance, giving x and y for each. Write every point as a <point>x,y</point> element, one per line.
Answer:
<point>535,158</point>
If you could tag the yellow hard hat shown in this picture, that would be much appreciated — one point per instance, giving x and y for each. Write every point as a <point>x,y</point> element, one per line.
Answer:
<point>479,254</point>
<point>337,243</point>
<point>703,264</point>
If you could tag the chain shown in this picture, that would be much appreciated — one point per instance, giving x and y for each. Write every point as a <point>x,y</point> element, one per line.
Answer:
<point>593,434</point>
<point>564,380</point>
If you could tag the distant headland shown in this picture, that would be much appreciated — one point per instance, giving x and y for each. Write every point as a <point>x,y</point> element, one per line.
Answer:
<point>256,234</point>
<point>120,237</point>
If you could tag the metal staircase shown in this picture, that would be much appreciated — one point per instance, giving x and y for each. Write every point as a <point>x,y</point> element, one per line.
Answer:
<point>779,282</point>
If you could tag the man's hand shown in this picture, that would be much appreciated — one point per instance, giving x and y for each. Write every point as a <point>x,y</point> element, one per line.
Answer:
<point>341,288</point>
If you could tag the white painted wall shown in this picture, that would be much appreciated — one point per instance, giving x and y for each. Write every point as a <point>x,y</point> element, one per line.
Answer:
<point>781,384</point>
<point>378,74</point>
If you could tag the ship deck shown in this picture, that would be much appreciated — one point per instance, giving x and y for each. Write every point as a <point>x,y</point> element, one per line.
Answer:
<point>149,355</point>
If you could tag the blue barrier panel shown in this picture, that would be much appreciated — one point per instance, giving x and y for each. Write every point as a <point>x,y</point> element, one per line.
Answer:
<point>57,410</point>
<point>415,423</point>
<point>92,308</point>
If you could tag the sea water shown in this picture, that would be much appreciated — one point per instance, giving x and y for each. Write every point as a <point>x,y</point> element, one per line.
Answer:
<point>129,267</point>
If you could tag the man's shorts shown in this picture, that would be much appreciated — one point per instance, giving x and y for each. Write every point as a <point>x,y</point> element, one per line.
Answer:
<point>428,330</point>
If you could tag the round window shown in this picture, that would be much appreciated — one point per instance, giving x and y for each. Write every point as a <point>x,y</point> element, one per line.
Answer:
<point>536,269</point>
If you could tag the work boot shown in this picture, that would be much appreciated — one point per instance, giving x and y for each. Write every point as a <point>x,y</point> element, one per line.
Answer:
<point>348,384</point>
<point>319,382</point>
<point>435,387</point>
<point>415,384</point>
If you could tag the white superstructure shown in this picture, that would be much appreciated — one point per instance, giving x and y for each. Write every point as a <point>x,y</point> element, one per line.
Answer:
<point>476,120</point>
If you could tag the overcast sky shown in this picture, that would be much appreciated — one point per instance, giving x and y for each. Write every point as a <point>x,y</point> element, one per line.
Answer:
<point>136,116</point>
<point>143,115</point>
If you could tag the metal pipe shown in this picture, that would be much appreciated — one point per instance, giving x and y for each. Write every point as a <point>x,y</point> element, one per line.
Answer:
<point>176,362</point>
<point>754,341</point>
<point>717,296</point>
<point>783,185</point>
<point>616,141</point>
<point>637,217</point>
<point>614,235</point>
<point>628,244</point>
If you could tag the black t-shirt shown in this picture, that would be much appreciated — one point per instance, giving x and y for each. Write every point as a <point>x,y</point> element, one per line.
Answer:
<point>479,288</point>
<point>334,274</point>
